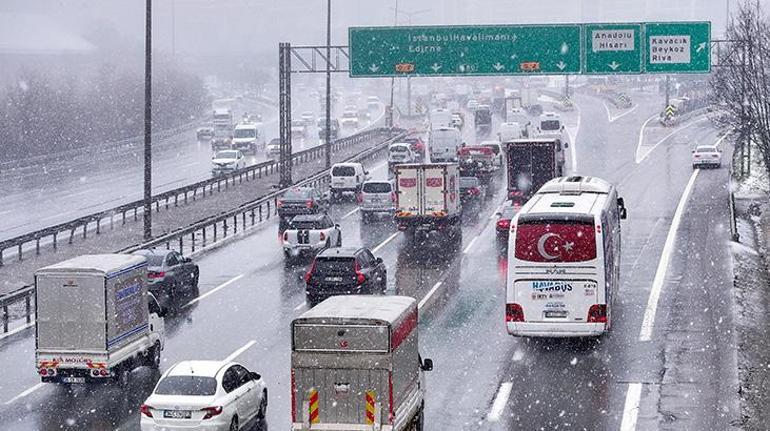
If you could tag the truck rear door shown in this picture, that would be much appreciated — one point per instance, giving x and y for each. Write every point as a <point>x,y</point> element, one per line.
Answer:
<point>408,191</point>
<point>434,194</point>
<point>543,164</point>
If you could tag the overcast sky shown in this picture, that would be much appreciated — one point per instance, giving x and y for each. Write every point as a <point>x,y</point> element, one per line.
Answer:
<point>248,26</point>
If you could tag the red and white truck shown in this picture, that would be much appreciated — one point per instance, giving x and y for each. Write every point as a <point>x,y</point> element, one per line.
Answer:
<point>355,365</point>
<point>428,199</point>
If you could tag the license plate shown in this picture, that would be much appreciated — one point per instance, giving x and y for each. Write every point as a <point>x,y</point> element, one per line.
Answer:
<point>177,414</point>
<point>334,279</point>
<point>555,314</point>
<point>73,379</point>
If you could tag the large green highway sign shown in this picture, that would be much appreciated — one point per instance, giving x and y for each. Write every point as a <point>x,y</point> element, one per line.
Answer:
<point>530,49</point>
<point>465,50</point>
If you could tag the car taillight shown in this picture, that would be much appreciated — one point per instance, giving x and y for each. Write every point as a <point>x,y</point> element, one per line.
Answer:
<point>697,156</point>
<point>309,273</point>
<point>393,197</point>
<point>211,411</point>
<point>154,275</point>
<point>359,197</point>
<point>279,204</point>
<point>309,204</point>
<point>474,191</point>
<point>43,372</point>
<point>145,410</point>
<point>360,277</point>
<point>715,155</point>
<point>514,313</point>
<point>597,313</point>
<point>323,236</point>
<point>503,224</point>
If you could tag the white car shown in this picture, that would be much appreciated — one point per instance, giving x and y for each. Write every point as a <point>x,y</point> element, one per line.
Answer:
<point>227,161</point>
<point>205,395</point>
<point>310,233</point>
<point>399,153</point>
<point>308,117</point>
<point>377,197</point>
<point>496,148</point>
<point>349,119</point>
<point>706,156</point>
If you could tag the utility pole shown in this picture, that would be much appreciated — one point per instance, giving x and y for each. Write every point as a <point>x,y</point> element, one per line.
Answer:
<point>389,114</point>
<point>148,122</point>
<point>667,90</point>
<point>328,144</point>
<point>566,86</point>
<point>173,29</point>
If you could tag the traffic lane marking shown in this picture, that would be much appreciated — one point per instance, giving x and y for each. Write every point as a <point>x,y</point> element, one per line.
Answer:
<point>677,130</point>
<point>631,407</point>
<point>25,393</point>
<point>427,297</point>
<point>384,243</point>
<point>613,119</point>
<point>470,245</point>
<point>648,322</point>
<point>240,351</point>
<point>501,399</point>
<point>214,290</point>
<point>350,213</point>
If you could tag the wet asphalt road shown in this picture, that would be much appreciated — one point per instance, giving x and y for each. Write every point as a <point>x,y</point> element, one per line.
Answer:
<point>684,371</point>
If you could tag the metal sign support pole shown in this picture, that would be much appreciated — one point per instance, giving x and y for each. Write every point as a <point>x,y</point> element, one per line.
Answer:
<point>284,113</point>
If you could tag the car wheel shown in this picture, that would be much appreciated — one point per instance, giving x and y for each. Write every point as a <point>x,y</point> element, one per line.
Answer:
<point>196,276</point>
<point>262,406</point>
<point>153,358</point>
<point>123,374</point>
<point>234,424</point>
<point>339,239</point>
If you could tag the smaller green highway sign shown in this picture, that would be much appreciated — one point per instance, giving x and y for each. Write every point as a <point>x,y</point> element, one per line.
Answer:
<point>683,47</point>
<point>465,50</point>
<point>613,48</point>
<point>617,48</point>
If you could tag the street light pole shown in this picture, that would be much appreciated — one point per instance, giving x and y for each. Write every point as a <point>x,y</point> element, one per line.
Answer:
<point>173,29</point>
<point>328,135</point>
<point>148,123</point>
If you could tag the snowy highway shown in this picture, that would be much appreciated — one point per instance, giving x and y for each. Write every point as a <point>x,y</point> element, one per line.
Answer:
<point>667,363</point>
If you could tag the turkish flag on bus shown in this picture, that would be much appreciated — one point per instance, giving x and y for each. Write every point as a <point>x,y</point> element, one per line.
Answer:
<point>555,241</point>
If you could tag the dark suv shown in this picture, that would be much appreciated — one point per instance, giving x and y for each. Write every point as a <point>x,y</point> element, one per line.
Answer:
<point>169,274</point>
<point>345,271</point>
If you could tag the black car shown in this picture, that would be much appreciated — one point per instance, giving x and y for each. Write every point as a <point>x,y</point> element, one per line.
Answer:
<point>345,271</point>
<point>169,274</point>
<point>301,200</point>
<point>503,225</point>
<point>472,192</point>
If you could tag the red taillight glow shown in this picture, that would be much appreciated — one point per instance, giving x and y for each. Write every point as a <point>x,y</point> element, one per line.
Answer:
<point>145,410</point>
<point>154,275</point>
<point>597,313</point>
<point>393,197</point>
<point>211,411</point>
<point>279,204</point>
<point>309,204</point>
<point>360,278</point>
<point>474,191</point>
<point>322,236</point>
<point>359,197</point>
<point>503,224</point>
<point>697,156</point>
<point>309,273</point>
<point>514,313</point>
<point>43,372</point>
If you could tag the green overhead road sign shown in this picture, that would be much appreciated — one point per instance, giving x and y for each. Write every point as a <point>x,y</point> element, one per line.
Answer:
<point>683,47</point>
<point>612,48</point>
<point>465,50</point>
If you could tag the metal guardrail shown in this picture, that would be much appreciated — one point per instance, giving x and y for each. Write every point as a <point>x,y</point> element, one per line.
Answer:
<point>191,191</point>
<point>227,223</point>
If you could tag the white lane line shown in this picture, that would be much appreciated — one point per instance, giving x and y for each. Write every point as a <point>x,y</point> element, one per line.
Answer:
<point>25,393</point>
<point>387,240</point>
<point>427,297</point>
<point>300,306</point>
<point>470,245</point>
<point>501,399</point>
<point>350,213</point>
<point>631,408</point>
<point>238,352</point>
<point>665,257</point>
<point>618,117</point>
<point>607,110</point>
<point>641,137</point>
<point>677,130</point>
<point>216,289</point>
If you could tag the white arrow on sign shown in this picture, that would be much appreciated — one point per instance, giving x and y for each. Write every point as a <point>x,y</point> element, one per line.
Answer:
<point>498,67</point>
<point>614,65</point>
<point>561,65</point>
<point>436,67</point>
<point>701,47</point>
<point>374,68</point>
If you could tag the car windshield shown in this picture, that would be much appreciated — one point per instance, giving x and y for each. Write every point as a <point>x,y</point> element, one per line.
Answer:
<point>706,150</point>
<point>343,171</point>
<point>399,149</point>
<point>187,386</point>
<point>550,125</point>
<point>153,259</point>
<point>306,224</point>
<point>226,155</point>
<point>377,187</point>
<point>298,194</point>
<point>245,133</point>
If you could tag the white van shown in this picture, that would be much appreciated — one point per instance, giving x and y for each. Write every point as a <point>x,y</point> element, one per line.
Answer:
<point>443,144</point>
<point>347,177</point>
<point>549,124</point>
<point>440,119</point>
<point>509,132</point>
<point>564,260</point>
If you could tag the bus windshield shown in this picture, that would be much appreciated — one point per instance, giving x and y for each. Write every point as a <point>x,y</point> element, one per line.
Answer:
<point>554,241</point>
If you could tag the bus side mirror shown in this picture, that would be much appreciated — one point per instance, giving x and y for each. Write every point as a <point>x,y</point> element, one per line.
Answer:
<point>427,365</point>
<point>566,145</point>
<point>622,208</point>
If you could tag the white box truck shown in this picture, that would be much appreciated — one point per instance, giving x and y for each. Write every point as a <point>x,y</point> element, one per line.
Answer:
<point>355,365</point>
<point>428,199</point>
<point>443,144</point>
<point>95,320</point>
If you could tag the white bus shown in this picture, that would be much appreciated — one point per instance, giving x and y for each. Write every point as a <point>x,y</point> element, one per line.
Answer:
<point>564,260</point>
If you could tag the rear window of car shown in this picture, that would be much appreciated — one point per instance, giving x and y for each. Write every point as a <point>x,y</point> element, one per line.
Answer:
<point>154,259</point>
<point>377,188</point>
<point>469,182</point>
<point>297,194</point>
<point>399,149</point>
<point>187,385</point>
<point>343,171</point>
<point>227,155</point>
<point>706,150</point>
<point>326,265</point>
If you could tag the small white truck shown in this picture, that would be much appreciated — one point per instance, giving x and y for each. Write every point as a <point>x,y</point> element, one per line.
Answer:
<point>428,200</point>
<point>355,365</point>
<point>248,138</point>
<point>96,321</point>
